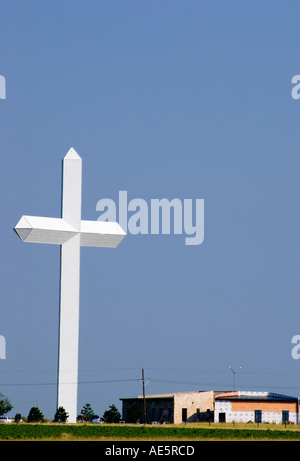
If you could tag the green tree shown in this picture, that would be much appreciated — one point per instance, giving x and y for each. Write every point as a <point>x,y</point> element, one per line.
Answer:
<point>5,405</point>
<point>112,415</point>
<point>35,415</point>
<point>87,412</point>
<point>61,415</point>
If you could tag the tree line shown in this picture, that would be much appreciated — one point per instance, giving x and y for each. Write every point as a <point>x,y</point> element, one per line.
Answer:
<point>112,415</point>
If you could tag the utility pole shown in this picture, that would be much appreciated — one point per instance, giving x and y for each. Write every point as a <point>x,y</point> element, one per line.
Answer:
<point>144,397</point>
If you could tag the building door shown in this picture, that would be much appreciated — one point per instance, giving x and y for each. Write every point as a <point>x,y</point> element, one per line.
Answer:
<point>257,416</point>
<point>184,414</point>
<point>222,417</point>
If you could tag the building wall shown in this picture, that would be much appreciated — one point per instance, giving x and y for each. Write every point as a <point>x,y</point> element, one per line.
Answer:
<point>196,405</point>
<point>157,409</point>
<point>271,406</point>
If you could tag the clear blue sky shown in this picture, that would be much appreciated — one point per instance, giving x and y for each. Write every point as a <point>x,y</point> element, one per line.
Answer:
<point>163,99</point>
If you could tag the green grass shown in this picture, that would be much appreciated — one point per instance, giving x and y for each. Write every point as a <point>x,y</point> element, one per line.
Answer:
<point>133,432</point>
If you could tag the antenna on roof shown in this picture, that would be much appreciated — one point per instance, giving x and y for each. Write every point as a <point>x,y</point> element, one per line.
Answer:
<point>234,372</point>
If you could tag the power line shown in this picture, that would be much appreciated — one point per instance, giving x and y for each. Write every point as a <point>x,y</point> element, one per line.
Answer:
<point>199,384</point>
<point>79,382</point>
<point>220,385</point>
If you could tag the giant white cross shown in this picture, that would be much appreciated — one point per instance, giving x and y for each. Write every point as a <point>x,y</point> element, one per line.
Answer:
<point>71,233</point>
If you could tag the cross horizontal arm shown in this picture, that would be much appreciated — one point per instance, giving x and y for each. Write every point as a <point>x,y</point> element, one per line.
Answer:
<point>101,234</point>
<point>58,231</point>
<point>44,230</point>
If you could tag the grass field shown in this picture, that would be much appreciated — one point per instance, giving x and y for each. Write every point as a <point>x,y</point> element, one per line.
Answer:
<point>122,432</point>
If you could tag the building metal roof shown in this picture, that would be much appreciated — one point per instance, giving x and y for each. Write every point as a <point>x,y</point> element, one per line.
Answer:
<point>262,396</point>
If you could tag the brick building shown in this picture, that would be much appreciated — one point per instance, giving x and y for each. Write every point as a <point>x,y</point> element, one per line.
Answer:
<point>217,406</point>
<point>261,407</point>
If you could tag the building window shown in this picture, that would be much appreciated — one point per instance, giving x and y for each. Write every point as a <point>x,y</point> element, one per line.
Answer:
<point>285,416</point>
<point>184,414</point>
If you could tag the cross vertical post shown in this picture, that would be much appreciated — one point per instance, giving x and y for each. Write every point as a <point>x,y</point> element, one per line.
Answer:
<point>69,287</point>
